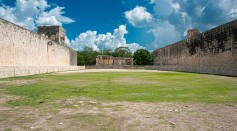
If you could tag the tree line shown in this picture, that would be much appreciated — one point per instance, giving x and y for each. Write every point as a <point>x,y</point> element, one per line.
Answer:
<point>88,55</point>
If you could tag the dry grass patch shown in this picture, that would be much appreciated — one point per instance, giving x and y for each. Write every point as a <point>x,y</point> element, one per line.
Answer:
<point>7,83</point>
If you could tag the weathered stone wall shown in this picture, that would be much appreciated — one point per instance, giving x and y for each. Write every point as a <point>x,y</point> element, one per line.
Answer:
<point>56,33</point>
<point>214,52</point>
<point>21,47</point>
<point>73,57</point>
<point>109,60</point>
<point>104,60</point>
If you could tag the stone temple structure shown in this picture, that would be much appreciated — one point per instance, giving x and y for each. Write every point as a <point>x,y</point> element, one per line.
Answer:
<point>55,33</point>
<point>103,60</point>
<point>212,52</point>
<point>23,52</point>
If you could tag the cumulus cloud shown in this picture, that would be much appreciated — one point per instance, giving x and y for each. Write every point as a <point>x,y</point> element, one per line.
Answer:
<point>164,34</point>
<point>108,41</point>
<point>31,13</point>
<point>134,47</point>
<point>139,17</point>
<point>50,20</point>
<point>53,17</point>
<point>86,39</point>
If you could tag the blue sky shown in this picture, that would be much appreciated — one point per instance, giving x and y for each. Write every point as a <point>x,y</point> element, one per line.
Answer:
<point>107,24</point>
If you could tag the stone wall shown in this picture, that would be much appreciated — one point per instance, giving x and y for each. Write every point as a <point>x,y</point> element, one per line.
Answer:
<point>21,47</point>
<point>103,60</point>
<point>213,52</point>
<point>23,52</point>
<point>144,67</point>
<point>56,33</point>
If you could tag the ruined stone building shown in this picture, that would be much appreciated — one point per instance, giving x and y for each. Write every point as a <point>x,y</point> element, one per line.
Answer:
<point>21,49</point>
<point>213,52</point>
<point>55,33</point>
<point>109,60</point>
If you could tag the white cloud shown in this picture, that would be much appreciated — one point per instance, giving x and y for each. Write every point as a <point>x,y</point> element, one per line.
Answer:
<point>163,7</point>
<point>31,13</point>
<point>229,6</point>
<point>50,20</point>
<point>134,47</point>
<point>164,33</point>
<point>175,6</point>
<point>162,30</point>
<point>29,8</point>
<point>103,41</point>
<point>6,13</point>
<point>139,17</point>
<point>53,17</point>
<point>86,39</point>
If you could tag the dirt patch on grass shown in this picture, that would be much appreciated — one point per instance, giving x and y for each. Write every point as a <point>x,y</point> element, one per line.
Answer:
<point>16,82</point>
<point>89,114</point>
<point>130,80</point>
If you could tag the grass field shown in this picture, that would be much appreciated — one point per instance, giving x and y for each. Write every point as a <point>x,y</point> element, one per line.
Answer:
<point>123,86</point>
<point>111,101</point>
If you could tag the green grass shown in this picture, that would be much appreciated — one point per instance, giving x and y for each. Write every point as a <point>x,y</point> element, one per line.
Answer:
<point>107,86</point>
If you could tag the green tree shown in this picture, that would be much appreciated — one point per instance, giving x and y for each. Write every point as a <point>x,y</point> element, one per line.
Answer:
<point>81,58</point>
<point>142,57</point>
<point>122,52</point>
<point>152,58</point>
<point>87,56</point>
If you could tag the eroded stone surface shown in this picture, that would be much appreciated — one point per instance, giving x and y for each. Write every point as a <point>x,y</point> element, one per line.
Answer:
<point>214,52</point>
